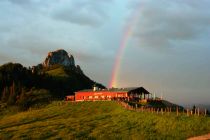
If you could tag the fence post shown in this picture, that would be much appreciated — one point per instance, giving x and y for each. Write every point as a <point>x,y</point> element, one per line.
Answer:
<point>162,111</point>
<point>195,111</point>
<point>177,111</point>
<point>205,112</point>
<point>168,110</point>
<point>187,112</point>
<point>198,111</point>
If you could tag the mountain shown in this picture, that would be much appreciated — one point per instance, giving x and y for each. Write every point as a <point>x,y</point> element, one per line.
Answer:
<point>59,57</point>
<point>169,104</point>
<point>56,77</point>
<point>61,65</point>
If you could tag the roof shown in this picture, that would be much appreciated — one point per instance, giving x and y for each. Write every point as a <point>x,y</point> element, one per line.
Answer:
<point>69,95</point>
<point>127,89</point>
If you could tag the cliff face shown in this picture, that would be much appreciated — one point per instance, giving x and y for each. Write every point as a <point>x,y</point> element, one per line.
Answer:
<point>59,57</point>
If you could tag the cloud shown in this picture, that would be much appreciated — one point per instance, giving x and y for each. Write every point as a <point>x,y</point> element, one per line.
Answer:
<point>82,12</point>
<point>20,1</point>
<point>167,23</point>
<point>86,57</point>
<point>32,49</point>
<point>5,58</point>
<point>28,52</point>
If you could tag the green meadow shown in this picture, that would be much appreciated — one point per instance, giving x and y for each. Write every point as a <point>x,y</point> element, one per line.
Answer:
<point>98,120</point>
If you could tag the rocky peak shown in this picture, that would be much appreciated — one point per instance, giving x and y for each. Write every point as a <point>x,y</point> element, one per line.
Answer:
<point>59,57</point>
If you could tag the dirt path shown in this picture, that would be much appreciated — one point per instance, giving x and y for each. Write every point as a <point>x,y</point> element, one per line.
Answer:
<point>203,137</point>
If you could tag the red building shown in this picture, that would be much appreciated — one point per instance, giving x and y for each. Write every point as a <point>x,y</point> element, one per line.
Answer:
<point>70,98</point>
<point>135,93</point>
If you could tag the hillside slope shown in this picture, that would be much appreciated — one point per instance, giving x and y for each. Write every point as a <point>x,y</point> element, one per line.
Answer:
<point>60,72</point>
<point>70,78</point>
<point>98,120</point>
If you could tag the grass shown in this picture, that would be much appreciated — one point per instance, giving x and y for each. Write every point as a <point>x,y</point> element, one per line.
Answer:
<point>57,72</point>
<point>98,120</point>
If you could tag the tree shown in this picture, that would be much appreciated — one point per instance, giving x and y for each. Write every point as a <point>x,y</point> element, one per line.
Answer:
<point>5,94</point>
<point>23,101</point>
<point>12,95</point>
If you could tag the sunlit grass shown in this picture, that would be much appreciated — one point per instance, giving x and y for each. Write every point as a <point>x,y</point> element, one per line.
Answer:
<point>57,72</point>
<point>103,120</point>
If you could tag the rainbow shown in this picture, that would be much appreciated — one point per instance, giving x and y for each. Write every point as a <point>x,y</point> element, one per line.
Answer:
<point>128,32</point>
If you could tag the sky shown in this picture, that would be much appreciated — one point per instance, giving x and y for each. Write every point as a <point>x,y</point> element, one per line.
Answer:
<point>166,51</point>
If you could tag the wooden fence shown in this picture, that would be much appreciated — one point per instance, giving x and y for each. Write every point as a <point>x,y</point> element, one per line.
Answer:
<point>158,110</point>
<point>167,110</point>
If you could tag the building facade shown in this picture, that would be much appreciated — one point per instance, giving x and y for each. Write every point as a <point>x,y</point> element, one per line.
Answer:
<point>136,93</point>
<point>70,98</point>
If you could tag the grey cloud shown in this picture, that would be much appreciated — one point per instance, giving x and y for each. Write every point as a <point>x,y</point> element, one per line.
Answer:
<point>5,58</point>
<point>29,50</point>
<point>35,7</point>
<point>39,47</point>
<point>83,12</point>
<point>35,49</point>
<point>86,57</point>
<point>163,22</point>
<point>20,1</point>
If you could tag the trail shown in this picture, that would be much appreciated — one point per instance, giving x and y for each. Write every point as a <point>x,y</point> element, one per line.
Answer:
<point>203,137</point>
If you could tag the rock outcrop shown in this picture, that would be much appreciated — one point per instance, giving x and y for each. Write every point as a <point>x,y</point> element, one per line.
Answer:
<point>78,69</point>
<point>60,57</point>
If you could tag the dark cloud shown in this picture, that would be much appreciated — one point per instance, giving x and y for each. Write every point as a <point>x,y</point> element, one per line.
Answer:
<point>163,23</point>
<point>83,12</point>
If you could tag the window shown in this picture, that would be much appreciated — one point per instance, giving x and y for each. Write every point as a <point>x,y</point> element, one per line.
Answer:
<point>96,97</point>
<point>90,97</point>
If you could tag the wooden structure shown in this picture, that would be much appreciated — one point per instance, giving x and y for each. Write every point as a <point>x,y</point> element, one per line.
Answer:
<point>134,93</point>
<point>70,98</point>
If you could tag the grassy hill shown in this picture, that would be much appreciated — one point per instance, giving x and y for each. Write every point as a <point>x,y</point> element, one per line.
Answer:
<point>93,120</point>
<point>57,72</point>
<point>18,83</point>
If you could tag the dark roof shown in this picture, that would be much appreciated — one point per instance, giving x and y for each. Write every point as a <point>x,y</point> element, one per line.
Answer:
<point>127,89</point>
